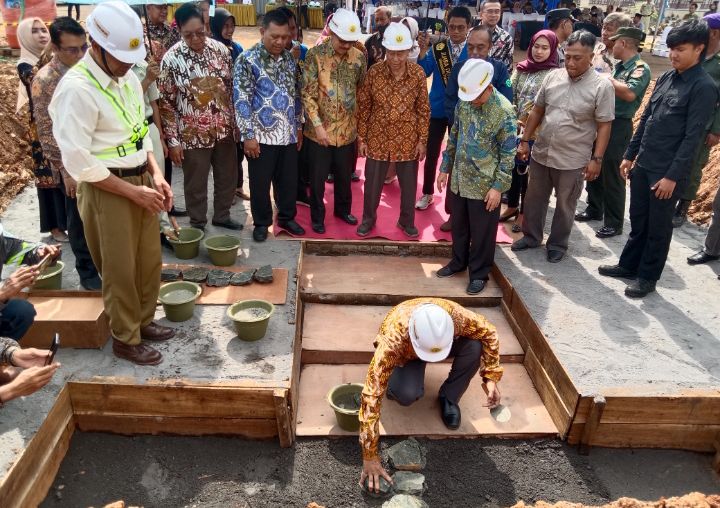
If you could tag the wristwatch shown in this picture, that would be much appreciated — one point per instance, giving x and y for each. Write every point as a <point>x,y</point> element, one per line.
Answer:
<point>596,158</point>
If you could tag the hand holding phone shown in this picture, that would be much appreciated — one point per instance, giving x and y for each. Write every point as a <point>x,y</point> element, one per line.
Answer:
<point>54,346</point>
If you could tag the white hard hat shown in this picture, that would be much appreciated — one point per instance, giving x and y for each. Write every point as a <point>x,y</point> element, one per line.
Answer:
<point>346,25</point>
<point>118,30</point>
<point>431,332</point>
<point>475,76</point>
<point>156,2</point>
<point>397,37</point>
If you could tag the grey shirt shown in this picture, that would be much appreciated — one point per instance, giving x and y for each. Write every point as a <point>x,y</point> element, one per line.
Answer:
<point>572,109</point>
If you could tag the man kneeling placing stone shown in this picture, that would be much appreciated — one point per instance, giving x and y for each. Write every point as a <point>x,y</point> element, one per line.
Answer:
<point>413,333</point>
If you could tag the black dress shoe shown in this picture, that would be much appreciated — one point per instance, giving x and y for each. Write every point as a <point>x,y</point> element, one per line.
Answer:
<point>177,212</point>
<point>347,218</point>
<point>585,216</point>
<point>450,413</point>
<point>640,288</point>
<point>292,227</point>
<point>616,271</point>
<point>260,233</point>
<point>228,224</point>
<point>475,286</point>
<point>555,256</point>
<point>318,228</point>
<point>92,283</point>
<point>607,232</point>
<point>165,242</point>
<point>701,257</point>
<point>521,244</point>
<point>446,271</point>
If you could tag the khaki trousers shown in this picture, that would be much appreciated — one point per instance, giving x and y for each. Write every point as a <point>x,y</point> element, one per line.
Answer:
<point>125,247</point>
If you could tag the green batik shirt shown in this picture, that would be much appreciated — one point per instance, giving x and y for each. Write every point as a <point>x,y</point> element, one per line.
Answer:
<point>712,67</point>
<point>636,75</point>
<point>481,147</point>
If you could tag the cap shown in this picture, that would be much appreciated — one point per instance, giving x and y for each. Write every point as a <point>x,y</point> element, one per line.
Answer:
<point>713,20</point>
<point>474,78</point>
<point>118,30</point>
<point>346,25</point>
<point>431,331</point>
<point>557,14</point>
<point>630,32</point>
<point>397,37</point>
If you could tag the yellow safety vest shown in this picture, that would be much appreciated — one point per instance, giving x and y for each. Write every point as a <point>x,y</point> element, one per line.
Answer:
<point>138,125</point>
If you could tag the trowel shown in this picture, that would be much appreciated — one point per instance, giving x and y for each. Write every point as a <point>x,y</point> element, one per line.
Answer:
<point>501,413</point>
<point>176,227</point>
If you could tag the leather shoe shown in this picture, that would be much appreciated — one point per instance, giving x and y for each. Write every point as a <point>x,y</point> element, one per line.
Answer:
<point>446,226</point>
<point>228,224</point>
<point>521,244</point>
<point>156,333</point>
<point>364,229</point>
<point>260,233</point>
<point>92,284</point>
<point>319,228</point>
<point>585,217</point>
<point>348,218</point>
<point>555,256</point>
<point>640,288</point>
<point>292,227</point>
<point>475,287</point>
<point>410,231</point>
<point>446,271</point>
<point>450,413</point>
<point>616,271</point>
<point>701,257</point>
<point>607,232</point>
<point>142,354</point>
<point>178,212</point>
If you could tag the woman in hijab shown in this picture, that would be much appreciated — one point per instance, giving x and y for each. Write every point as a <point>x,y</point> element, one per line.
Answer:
<point>222,25</point>
<point>412,25</point>
<point>526,81</point>
<point>34,37</point>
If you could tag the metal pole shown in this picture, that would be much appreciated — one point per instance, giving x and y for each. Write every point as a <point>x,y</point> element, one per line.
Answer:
<point>661,16</point>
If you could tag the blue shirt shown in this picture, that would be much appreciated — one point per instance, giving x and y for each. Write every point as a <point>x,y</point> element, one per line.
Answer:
<point>437,90</point>
<point>501,83</point>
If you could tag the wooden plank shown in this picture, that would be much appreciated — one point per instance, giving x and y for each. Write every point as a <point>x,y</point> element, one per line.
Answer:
<point>282,414</point>
<point>385,280</point>
<point>190,401</point>
<point>30,477</point>
<point>502,282</point>
<point>561,415</point>
<point>297,347</point>
<point>647,435</point>
<point>683,408</point>
<point>327,338</point>
<point>128,424</point>
<point>275,292</point>
<point>716,458</point>
<point>593,421</point>
<point>529,416</point>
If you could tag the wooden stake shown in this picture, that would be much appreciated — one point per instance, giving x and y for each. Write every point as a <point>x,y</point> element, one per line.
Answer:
<point>596,410</point>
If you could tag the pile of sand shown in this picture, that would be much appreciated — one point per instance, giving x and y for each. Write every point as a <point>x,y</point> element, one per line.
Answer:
<point>694,500</point>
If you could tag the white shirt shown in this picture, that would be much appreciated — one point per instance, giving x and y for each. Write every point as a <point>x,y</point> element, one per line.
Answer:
<point>85,122</point>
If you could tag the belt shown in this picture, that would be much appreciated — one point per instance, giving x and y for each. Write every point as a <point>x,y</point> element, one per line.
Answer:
<point>150,120</point>
<point>126,172</point>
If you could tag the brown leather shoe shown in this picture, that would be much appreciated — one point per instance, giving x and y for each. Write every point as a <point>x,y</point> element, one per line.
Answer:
<point>446,226</point>
<point>142,354</point>
<point>156,333</point>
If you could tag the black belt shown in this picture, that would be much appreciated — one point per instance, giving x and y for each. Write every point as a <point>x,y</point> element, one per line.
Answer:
<point>126,172</point>
<point>150,120</point>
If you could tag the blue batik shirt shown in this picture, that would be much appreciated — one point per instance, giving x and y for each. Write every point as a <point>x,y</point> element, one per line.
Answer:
<point>266,94</point>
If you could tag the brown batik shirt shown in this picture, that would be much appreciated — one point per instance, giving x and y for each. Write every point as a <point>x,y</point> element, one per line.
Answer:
<point>394,349</point>
<point>167,36</point>
<point>393,115</point>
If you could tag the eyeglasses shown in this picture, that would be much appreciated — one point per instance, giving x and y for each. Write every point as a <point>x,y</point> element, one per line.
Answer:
<point>193,35</point>
<point>75,50</point>
<point>457,28</point>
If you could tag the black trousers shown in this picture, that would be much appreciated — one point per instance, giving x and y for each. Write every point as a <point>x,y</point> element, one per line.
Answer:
<point>16,319</point>
<point>375,172</point>
<point>407,383</point>
<point>320,160</point>
<point>168,170</point>
<point>76,233</point>
<point>518,187</point>
<point>474,231</point>
<point>277,164</point>
<point>436,134</point>
<point>303,183</point>
<point>650,225</point>
<point>240,157</point>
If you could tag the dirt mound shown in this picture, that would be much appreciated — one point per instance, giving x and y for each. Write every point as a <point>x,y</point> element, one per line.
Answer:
<point>15,160</point>
<point>701,208</point>
<point>694,500</point>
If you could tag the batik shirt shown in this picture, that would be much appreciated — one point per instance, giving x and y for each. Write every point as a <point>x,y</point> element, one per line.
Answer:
<point>43,88</point>
<point>394,349</point>
<point>603,61</point>
<point>393,115</point>
<point>163,33</point>
<point>329,93</point>
<point>502,47</point>
<point>525,87</point>
<point>266,92</point>
<point>195,100</point>
<point>481,148</point>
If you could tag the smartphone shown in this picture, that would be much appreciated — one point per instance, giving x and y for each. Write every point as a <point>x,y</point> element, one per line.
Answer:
<point>54,346</point>
<point>44,263</point>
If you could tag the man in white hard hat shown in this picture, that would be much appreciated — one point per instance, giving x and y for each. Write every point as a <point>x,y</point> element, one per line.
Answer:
<point>481,168</point>
<point>413,333</point>
<point>101,130</point>
<point>331,76</point>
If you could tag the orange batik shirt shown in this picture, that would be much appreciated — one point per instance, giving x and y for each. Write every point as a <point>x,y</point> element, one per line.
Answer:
<point>394,349</point>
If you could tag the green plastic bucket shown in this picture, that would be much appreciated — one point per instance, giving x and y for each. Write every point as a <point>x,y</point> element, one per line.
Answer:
<point>251,318</point>
<point>178,299</point>
<point>187,246</point>
<point>51,277</point>
<point>222,249</point>
<point>345,401</point>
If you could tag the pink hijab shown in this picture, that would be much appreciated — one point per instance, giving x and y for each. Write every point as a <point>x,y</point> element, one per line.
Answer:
<point>530,65</point>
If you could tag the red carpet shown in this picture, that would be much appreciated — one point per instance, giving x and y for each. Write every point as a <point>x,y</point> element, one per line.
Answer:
<point>427,221</point>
